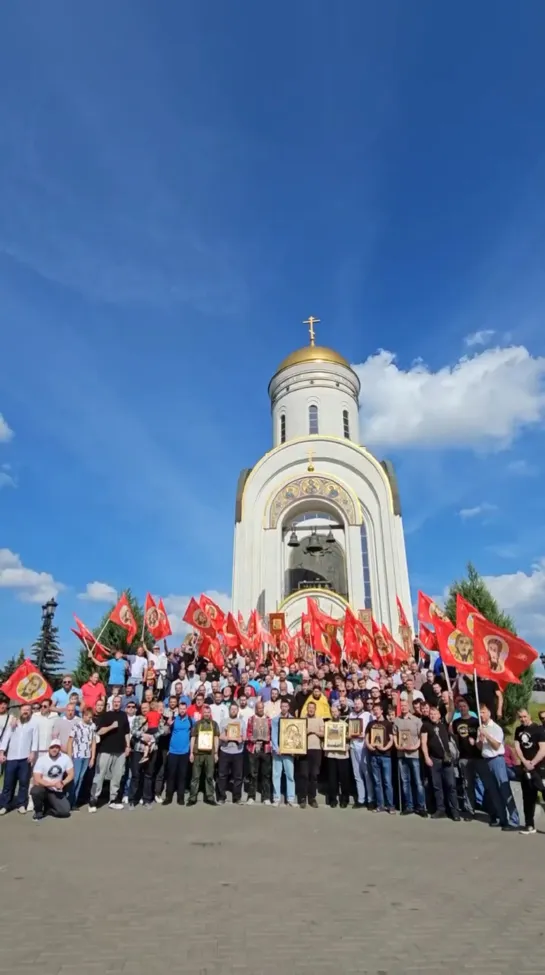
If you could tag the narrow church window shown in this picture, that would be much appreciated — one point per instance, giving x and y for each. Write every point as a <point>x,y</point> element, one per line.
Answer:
<point>346,425</point>
<point>282,428</point>
<point>313,419</point>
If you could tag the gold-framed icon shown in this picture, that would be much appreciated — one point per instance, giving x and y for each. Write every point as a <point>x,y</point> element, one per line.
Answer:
<point>292,736</point>
<point>355,727</point>
<point>335,736</point>
<point>233,731</point>
<point>205,740</point>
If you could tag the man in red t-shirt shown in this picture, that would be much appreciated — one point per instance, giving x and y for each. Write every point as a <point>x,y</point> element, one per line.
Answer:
<point>92,690</point>
<point>195,710</point>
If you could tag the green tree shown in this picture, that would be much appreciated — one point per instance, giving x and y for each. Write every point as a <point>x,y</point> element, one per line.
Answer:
<point>47,655</point>
<point>11,665</point>
<point>114,637</point>
<point>474,589</point>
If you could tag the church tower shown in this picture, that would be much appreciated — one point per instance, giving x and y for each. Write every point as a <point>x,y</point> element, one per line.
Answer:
<point>318,515</point>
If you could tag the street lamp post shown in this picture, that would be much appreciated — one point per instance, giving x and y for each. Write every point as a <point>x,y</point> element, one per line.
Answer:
<point>48,613</point>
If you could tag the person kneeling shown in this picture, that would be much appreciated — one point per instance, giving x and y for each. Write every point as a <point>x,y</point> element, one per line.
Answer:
<point>53,773</point>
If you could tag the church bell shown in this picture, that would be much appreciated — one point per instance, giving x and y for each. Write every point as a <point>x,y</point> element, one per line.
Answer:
<point>293,540</point>
<point>314,543</point>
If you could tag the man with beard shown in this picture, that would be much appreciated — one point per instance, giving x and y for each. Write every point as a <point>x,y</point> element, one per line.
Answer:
<point>530,748</point>
<point>19,748</point>
<point>53,773</point>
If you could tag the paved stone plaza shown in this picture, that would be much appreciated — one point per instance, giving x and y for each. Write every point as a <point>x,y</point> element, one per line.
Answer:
<point>264,890</point>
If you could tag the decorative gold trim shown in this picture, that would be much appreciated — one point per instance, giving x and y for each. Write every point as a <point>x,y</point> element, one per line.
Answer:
<point>326,439</point>
<point>312,592</point>
<point>312,353</point>
<point>312,487</point>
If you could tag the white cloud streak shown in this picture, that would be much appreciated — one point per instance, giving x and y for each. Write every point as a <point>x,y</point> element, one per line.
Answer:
<point>480,509</point>
<point>6,433</point>
<point>522,595</point>
<point>482,401</point>
<point>31,586</point>
<point>98,592</point>
<point>481,337</point>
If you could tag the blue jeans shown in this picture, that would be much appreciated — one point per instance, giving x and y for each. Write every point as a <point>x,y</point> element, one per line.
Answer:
<point>80,769</point>
<point>283,763</point>
<point>16,771</point>
<point>139,692</point>
<point>381,768</point>
<point>411,783</point>
<point>362,774</point>
<point>498,796</point>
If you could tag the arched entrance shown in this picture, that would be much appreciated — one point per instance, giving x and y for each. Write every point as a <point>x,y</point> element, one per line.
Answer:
<point>321,569</point>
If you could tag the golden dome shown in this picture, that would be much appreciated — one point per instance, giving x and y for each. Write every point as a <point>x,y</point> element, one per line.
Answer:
<point>313,353</point>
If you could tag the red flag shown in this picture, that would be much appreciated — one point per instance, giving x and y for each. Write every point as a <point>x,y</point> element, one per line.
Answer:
<point>428,611</point>
<point>196,617</point>
<point>84,634</point>
<point>324,632</point>
<point>165,622</point>
<point>398,654</point>
<point>500,655</point>
<point>122,614</point>
<point>210,648</point>
<point>152,618</point>
<point>455,647</point>
<point>381,649</point>
<point>465,615</point>
<point>428,638</point>
<point>232,635</point>
<point>26,685</point>
<point>216,614</point>
<point>403,621</point>
<point>355,646</point>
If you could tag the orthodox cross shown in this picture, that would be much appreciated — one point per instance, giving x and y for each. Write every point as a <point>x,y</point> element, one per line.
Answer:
<point>310,464</point>
<point>311,322</point>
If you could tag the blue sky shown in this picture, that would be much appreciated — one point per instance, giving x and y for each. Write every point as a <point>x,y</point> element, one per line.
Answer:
<point>182,184</point>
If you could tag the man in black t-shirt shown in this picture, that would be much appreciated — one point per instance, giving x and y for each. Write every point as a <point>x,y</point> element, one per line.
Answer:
<point>465,730</point>
<point>530,748</point>
<point>435,747</point>
<point>113,733</point>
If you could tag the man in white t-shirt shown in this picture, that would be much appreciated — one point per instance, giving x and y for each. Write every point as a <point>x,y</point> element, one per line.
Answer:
<point>53,773</point>
<point>138,668</point>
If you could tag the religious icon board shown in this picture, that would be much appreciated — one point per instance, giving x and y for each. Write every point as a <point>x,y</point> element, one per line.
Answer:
<point>335,736</point>
<point>376,736</point>
<point>355,727</point>
<point>292,738</point>
<point>205,740</point>
<point>233,731</point>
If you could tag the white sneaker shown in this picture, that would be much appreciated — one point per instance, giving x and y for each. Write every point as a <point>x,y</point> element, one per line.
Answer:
<point>159,799</point>
<point>22,810</point>
<point>125,800</point>
<point>92,809</point>
<point>291,803</point>
<point>115,805</point>
<point>266,802</point>
<point>3,812</point>
<point>276,802</point>
<point>250,802</point>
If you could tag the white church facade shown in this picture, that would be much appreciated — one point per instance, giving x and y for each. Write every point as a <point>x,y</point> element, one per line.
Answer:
<point>318,514</point>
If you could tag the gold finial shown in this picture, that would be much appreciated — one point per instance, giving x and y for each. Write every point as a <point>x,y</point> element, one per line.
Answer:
<point>310,464</point>
<point>311,322</point>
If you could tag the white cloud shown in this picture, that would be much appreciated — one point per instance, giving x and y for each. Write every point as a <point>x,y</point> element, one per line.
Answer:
<point>481,337</point>
<point>31,586</point>
<point>522,595</point>
<point>521,468</point>
<point>480,509</point>
<point>98,592</point>
<point>5,432</point>
<point>6,480</point>
<point>481,401</point>
<point>177,605</point>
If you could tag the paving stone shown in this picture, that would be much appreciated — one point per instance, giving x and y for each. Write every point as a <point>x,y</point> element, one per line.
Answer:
<point>240,890</point>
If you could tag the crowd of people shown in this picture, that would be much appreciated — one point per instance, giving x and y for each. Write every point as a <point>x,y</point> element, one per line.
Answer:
<point>160,726</point>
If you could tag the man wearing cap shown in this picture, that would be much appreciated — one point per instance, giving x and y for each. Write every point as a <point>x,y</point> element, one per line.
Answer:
<point>53,773</point>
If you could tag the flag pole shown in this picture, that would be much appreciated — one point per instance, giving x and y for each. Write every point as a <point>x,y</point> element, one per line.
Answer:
<point>99,635</point>
<point>477,695</point>
<point>447,678</point>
